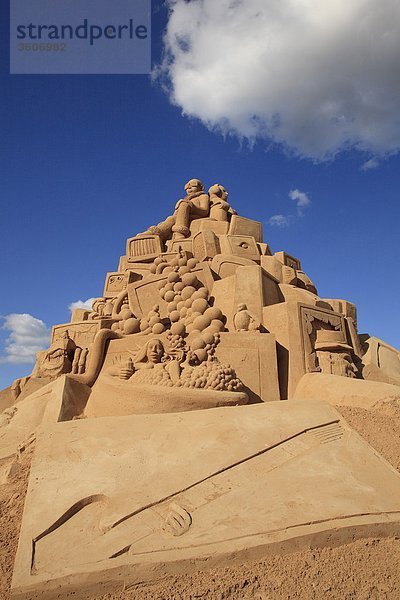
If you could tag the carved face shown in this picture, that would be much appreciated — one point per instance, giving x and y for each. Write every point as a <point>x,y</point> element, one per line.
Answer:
<point>155,351</point>
<point>194,185</point>
<point>224,192</point>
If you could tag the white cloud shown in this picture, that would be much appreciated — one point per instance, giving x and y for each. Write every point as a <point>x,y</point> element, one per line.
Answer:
<point>86,304</point>
<point>279,221</point>
<point>372,163</point>
<point>317,77</point>
<point>27,335</point>
<point>302,201</point>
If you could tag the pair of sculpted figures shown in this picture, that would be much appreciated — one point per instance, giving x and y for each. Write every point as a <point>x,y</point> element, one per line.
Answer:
<point>197,204</point>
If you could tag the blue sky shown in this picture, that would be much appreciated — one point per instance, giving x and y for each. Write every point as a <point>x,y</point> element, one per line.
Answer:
<point>88,161</point>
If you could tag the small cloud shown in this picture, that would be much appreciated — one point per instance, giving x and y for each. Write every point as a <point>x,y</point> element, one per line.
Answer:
<point>372,163</point>
<point>27,335</point>
<point>302,201</point>
<point>279,221</point>
<point>86,304</point>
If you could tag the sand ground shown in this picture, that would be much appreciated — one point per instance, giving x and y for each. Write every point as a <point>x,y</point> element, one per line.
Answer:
<point>366,569</point>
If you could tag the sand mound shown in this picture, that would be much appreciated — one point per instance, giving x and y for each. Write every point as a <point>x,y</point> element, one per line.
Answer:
<point>12,496</point>
<point>380,428</point>
<point>365,569</point>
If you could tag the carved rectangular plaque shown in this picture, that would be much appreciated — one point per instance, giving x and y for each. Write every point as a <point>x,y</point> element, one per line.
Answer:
<point>116,282</point>
<point>82,333</point>
<point>143,247</point>
<point>244,246</point>
<point>243,226</point>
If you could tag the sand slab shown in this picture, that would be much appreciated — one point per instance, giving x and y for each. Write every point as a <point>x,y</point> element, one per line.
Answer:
<point>117,501</point>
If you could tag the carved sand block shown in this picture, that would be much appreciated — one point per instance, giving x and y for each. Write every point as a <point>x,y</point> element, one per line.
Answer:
<point>295,326</point>
<point>289,261</point>
<point>82,333</point>
<point>273,266</point>
<point>170,255</point>
<point>217,227</point>
<point>79,314</point>
<point>177,245</point>
<point>254,360</point>
<point>113,502</point>
<point>245,226</point>
<point>116,282</point>
<point>206,245</point>
<point>264,249</point>
<point>225,265</point>
<point>381,362</point>
<point>129,399</point>
<point>159,374</point>
<point>250,285</point>
<point>143,295</point>
<point>143,247</point>
<point>243,246</point>
<point>59,400</point>
<point>138,268</point>
<point>344,391</point>
<point>122,263</point>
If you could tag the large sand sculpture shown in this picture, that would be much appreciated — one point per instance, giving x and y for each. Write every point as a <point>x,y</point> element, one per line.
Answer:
<point>132,478</point>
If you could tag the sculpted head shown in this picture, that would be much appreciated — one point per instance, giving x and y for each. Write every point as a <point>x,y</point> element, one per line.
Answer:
<point>154,351</point>
<point>193,186</point>
<point>218,190</point>
<point>150,354</point>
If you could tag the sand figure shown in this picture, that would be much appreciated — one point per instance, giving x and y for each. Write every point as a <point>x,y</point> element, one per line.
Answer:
<point>150,355</point>
<point>195,205</point>
<point>57,359</point>
<point>244,321</point>
<point>220,209</point>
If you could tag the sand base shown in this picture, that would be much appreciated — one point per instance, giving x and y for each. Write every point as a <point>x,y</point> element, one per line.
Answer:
<point>365,569</point>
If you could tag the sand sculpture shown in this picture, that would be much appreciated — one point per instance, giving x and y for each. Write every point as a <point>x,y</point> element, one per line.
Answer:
<point>132,478</point>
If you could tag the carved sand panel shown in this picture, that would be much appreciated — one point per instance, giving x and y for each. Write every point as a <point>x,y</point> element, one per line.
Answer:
<point>381,362</point>
<point>82,333</point>
<point>143,247</point>
<point>217,227</point>
<point>144,294</point>
<point>205,245</point>
<point>239,245</point>
<point>295,325</point>
<point>247,227</point>
<point>255,362</point>
<point>313,319</point>
<point>116,282</point>
<point>119,522</point>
